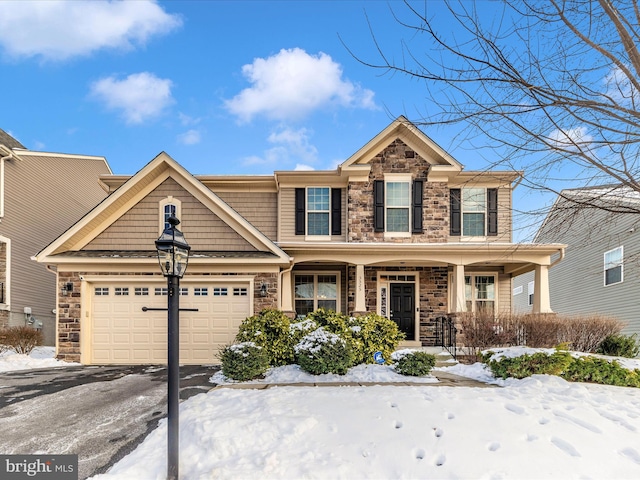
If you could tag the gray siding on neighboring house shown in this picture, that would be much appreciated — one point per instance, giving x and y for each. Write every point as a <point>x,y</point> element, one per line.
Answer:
<point>44,196</point>
<point>577,282</point>
<point>520,301</point>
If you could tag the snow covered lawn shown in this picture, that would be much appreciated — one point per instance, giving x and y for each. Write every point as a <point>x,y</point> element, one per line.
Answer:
<point>539,427</point>
<point>40,357</point>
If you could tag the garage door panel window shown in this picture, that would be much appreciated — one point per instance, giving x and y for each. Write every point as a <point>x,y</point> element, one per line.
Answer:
<point>240,292</point>
<point>219,291</point>
<point>101,291</point>
<point>161,291</point>
<point>200,291</point>
<point>141,291</point>
<point>121,291</point>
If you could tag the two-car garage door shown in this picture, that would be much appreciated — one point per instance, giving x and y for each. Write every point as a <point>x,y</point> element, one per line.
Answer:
<point>121,333</point>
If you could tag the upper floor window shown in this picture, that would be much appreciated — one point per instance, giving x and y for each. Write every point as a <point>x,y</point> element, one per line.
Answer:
<point>613,265</point>
<point>318,211</point>
<point>169,206</point>
<point>474,212</point>
<point>397,205</point>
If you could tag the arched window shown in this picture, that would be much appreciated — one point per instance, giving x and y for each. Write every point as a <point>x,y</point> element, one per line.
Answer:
<point>169,206</point>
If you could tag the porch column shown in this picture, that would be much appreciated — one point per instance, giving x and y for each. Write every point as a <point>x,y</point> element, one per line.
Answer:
<point>360,303</point>
<point>286,294</point>
<point>541,299</point>
<point>459,300</point>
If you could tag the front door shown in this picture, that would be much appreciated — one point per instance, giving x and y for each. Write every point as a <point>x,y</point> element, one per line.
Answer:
<point>403,309</point>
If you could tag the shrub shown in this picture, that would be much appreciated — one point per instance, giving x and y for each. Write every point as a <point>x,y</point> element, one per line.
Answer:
<point>373,333</point>
<point>244,361</point>
<point>414,362</point>
<point>539,363</point>
<point>619,346</point>
<point>22,339</point>
<point>270,329</point>
<point>322,351</point>
<point>599,370</point>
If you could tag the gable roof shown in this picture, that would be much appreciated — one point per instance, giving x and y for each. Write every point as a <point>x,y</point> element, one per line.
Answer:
<point>8,141</point>
<point>411,135</point>
<point>135,189</point>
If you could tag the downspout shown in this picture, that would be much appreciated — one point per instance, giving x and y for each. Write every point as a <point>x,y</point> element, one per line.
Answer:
<point>557,260</point>
<point>286,270</point>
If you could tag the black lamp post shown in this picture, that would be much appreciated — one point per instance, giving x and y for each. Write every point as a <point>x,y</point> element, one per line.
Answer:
<point>173,255</point>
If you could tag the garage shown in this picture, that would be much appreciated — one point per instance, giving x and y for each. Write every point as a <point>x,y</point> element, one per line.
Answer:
<point>120,332</point>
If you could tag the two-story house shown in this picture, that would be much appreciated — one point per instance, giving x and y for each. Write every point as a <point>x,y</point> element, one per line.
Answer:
<point>599,273</point>
<point>399,228</point>
<point>41,195</point>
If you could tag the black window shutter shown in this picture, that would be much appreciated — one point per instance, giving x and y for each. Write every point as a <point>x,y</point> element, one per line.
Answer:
<point>492,211</point>
<point>455,213</point>
<point>300,211</point>
<point>336,211</point>
<point>378,206</point>
<point>416,206</point>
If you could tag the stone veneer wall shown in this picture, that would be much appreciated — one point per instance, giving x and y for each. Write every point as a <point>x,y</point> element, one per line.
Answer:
<point>398,158</point>
<point>69,308</point>
<point>433,294</point>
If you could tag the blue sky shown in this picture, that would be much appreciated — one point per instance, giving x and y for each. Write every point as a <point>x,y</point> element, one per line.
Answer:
<point>224,87</point>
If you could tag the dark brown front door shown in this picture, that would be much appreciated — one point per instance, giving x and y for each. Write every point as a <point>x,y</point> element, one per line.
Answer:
<point>403,310</point>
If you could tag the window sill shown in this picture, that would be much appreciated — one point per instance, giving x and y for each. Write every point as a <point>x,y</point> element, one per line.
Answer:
<point>317,238</point>
<point>397,234</point>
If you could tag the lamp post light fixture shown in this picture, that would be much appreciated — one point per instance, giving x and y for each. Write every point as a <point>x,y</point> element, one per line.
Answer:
<point>173,255</point>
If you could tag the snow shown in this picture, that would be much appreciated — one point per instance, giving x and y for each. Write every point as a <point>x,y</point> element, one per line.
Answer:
<point>535,428</point>
<point>40,357</point>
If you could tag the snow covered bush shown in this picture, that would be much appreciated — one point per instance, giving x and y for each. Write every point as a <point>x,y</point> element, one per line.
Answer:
<point>270,329</point>
<point>322,351</point>
<point>365,335</point>
<point>600,370</point>
<point>415,363</point>
<point>244,361</point>
<point>544,362</point>
<point>21,339</point>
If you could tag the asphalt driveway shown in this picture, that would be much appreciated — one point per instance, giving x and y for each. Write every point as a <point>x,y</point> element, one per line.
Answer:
<point>99,413</point>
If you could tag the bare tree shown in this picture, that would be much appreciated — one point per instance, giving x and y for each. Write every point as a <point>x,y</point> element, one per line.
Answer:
<point>553,86</point>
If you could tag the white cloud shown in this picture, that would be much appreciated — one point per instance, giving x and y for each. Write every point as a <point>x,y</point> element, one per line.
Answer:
<point>303,167</point>
<point>190,137</point>
<point>619,87</point>
<point>292,83</point>
<point>58,30</point>
<point>572,138</point>
<point>186,120</point>
<point>289,146</point>
<point>140,96</point>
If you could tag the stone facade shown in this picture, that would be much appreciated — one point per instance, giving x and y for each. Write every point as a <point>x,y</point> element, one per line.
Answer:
<point>433,295</point>
<point>398,158</point>
<point>69,308</point>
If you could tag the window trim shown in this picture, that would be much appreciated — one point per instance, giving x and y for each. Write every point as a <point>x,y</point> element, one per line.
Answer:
<point>398,178</point>
<point>531,288</point>
<point>473,274</point>
<point>170,200</point>
<point>457,213</point>
<point>315,274</point>
<point>483,212</point>
<point>620,264</point>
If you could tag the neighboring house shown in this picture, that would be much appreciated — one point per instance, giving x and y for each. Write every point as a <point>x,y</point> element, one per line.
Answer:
<point>398,228</point>
<point>599,273</point>
<point>41,195</point>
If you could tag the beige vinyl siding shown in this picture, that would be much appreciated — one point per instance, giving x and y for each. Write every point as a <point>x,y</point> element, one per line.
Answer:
<point>258,208</point>
<point>288,220</point>
<point>139,227</point>
<point>504,294</point>
<point>44,196</point>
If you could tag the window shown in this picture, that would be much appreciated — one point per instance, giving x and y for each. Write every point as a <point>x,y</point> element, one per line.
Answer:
<point>161,291</point>
<point>315,291</point>
<point>184,291</point>
<point>613,262</point>
<point>240,292</point>
<point>219,291</point>
<point>530,290</point>
<point>397,207</point>
<point>517,290</point>
<point>168,207</point>
<point>480,293</point>
<point>141,291</point>
<point>101,291</point>
<point>318,211</point>
<point>121,291</point>
<point>474,212</point>
<point>200,291</point>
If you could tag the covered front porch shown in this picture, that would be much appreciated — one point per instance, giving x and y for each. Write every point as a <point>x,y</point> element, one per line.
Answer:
<point>414,285</point>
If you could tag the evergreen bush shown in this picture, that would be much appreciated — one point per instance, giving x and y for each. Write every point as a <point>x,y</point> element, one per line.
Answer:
<point>322,351</point>
<point>619,346</point>
<point>373,333</point>
<point>539,363</point>
<point>414,363</point>
<point>270,329</point>
<point>244,361</point>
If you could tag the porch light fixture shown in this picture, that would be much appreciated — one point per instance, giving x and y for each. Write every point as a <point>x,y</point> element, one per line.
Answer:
<point>173,255</point>
<point>263,290</point>
<point>66,288</point>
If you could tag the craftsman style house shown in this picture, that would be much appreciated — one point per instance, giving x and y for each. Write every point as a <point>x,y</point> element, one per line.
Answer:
<point>41,195</point>
<point>399,228</point>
